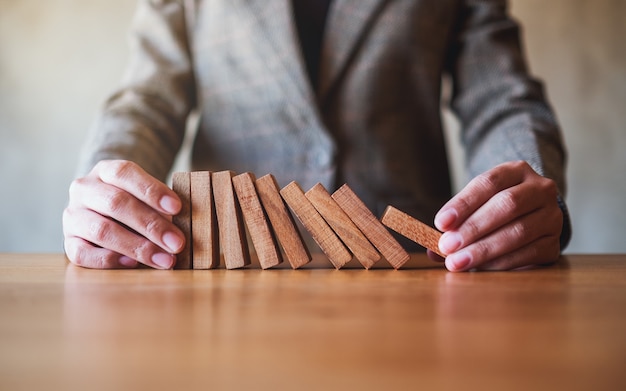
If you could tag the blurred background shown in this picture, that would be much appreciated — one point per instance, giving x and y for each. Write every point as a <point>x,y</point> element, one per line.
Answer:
<point>59,59</point>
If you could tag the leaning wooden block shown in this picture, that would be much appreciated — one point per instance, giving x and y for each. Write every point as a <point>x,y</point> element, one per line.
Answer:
<point>232,232</point>
<point>282,222</point>
<point>371,227</point>
<point>181,184</point>
<point>260,231</point>
<point>205,240</point>
<point>343,226</point>
<point>315,224</point>
<point>412,228</point>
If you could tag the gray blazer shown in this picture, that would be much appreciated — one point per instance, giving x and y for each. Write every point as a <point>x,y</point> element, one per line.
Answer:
<point>373,121</point>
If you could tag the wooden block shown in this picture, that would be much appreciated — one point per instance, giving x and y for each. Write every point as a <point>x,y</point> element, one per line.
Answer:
<point>343,226</point>
<point>205,239</point>
<point>321,232</point>
<point>371,227</point>
<point>181,184</point>
<point>412,228</point>
<point>232,233</point>
<point>260,231</point>
<point>282,222</point>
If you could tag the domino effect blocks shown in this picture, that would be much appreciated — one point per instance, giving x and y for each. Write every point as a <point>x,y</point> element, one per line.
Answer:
<point>220,207</point>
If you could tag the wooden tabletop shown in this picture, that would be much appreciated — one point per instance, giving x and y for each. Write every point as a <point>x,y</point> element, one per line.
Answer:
<point>559,327</point>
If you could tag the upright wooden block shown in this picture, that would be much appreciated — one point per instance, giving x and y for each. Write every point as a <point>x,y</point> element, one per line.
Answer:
<point>371,226</point>
<point>232,233</point>
<point>260,231</point>
<point>205,239</point>
<point>412,228</point>
<point>282,222</point>
<point>343,226</point>
<point>321,232</point>
<point>181,184</point>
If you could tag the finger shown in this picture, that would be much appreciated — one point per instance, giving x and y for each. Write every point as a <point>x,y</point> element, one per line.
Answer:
<point>85,254</point>
<point>113,202</point>
<point>543,251</point>
<point>132,178</point>
<point>503,207</point>
<point>511,237</point>
<point>478,191</point>
<point>104,232</point>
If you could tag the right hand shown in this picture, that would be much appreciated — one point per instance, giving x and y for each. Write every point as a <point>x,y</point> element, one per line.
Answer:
<point>118,216</point>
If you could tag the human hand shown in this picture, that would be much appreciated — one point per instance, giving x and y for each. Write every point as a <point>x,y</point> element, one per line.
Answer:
<point>118,216</point>
<point>504,219</point>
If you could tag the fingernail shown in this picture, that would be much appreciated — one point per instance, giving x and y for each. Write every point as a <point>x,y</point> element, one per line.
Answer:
<point>445,218</point>
<point>170,204</point>
<point>163,260</point>
<point>172,241</point>
<point>127,261</point>
<point>450,242</point>
<point>458,261</point>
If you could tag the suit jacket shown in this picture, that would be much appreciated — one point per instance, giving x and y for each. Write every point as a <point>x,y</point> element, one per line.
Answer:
<point>373,121</point>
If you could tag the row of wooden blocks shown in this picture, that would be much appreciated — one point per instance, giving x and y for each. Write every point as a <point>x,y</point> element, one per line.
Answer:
<point>218,206</point>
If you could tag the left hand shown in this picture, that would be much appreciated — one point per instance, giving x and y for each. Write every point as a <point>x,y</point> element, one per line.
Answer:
<point>504,219</point>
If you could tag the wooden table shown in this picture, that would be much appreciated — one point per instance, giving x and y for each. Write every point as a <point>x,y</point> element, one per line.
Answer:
<point>560,327</point>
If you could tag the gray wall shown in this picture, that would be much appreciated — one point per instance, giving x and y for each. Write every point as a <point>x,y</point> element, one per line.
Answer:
<point>60,58</point>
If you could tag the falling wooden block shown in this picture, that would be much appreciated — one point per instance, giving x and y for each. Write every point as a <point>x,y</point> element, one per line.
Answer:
<point>232,234</point>
<point>343,226</point>
<point>205,240</point>
<point>260,231</point>
<point>412,228</point>
<point>282,222</point>
<point>316,225</point>
<point>181,184</point>
<point>371,227</point>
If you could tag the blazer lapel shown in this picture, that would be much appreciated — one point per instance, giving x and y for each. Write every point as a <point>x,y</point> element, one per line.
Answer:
<point>348,21</point>
<point>280,46</point>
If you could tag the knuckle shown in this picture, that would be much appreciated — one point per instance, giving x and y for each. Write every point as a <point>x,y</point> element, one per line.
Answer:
<point>481,252</point>
<point>150,191</point>
<point>548,187</point>
<point>153,227</point>
<point>99,230</point>
<point>119,168</point>
<point>143,251</point>
<point>489,180</point>
<point>76,185</point>
<point>508,201</point>
<point>472,228</point>
<point>104,261</point>
<point>115,201</point>
<point>521,230</point>
<point>521,165</point>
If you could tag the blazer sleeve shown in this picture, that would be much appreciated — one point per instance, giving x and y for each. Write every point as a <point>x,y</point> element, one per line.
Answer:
<point>503,111</point>
<point>145,119</point>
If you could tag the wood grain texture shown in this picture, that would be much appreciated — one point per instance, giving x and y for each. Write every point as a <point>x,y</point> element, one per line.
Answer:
<point>321,232</point>
<point>181,184</point>
<point>232,233</point>
<point>282,222</point>
<point>343,226</point>
<point>371,227</point>
<point>205,238</point>
<point>69,328</point>
<point>260,231</point>
<point>412,228</point>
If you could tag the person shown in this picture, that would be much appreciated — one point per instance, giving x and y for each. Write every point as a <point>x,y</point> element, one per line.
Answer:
<point>333,92</point>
